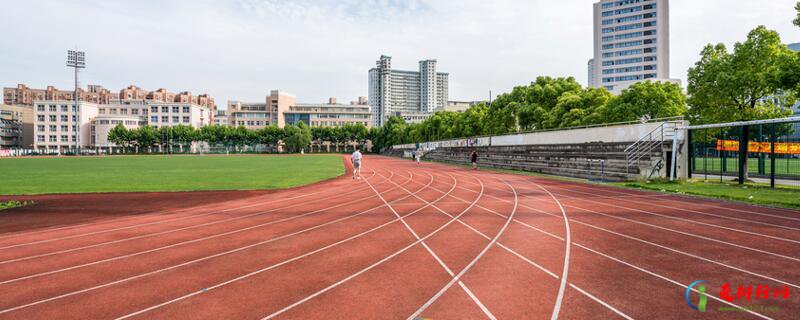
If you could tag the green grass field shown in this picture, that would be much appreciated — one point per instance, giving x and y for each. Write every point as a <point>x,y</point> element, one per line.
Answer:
<point>755,193</point>
<point>783,166</point>
<point>163,173</point>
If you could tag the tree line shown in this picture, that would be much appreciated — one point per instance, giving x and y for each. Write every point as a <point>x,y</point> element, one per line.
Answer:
<point>294,138</point>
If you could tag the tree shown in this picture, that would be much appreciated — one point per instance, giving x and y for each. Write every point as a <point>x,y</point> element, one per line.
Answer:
<point>297,137</point>
<point>797,9</point>
<point>119,135</point>
<point>652,100</point>
<point>184,135</point>
<point>146,137</point>
<point>735,86</point>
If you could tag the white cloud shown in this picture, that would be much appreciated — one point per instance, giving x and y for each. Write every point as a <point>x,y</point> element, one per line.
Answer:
<point>315,49</point>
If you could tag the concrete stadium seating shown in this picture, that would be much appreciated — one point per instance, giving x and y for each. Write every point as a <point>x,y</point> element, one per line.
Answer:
<point>570,160</point>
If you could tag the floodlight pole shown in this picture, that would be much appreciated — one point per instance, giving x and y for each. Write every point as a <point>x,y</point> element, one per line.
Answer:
<point>76,60</point>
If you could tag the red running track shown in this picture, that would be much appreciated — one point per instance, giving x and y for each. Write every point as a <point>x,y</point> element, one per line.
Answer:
<point>408,241</point>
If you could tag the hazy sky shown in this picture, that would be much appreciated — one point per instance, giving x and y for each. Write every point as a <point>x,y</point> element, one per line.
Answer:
<point>239,50</point>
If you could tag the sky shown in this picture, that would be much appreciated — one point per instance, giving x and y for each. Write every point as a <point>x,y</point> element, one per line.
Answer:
<point>242,49</point>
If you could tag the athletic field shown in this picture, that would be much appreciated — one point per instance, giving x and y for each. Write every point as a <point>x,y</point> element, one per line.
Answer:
<point>162,173</point>
<point>408,241</point>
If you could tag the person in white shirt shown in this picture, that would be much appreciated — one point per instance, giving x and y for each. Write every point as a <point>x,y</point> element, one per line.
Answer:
<point>355,158</point>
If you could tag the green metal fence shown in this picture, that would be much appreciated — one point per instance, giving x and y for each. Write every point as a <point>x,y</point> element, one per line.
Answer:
<point>765,151</point>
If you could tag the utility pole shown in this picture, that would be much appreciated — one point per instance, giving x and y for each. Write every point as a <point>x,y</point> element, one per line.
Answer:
<point>76,60</point>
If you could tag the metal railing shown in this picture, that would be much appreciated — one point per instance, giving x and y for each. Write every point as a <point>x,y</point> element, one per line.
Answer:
<point>650,142</point>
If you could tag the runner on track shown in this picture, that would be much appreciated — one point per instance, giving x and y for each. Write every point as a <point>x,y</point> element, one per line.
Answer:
<point>355,158</point>
<point>474,160</point>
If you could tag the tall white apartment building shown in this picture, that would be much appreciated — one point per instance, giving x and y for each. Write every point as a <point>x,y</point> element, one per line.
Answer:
<point>397,92</point>
<point>631,43</point>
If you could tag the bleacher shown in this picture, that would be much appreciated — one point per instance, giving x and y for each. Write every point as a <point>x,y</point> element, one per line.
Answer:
<point>570,160</point>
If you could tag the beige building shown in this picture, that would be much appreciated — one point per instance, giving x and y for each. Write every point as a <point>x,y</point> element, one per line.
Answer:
<point>631,43</point>
<point>329,114</point>
<point>16,130</point>
<point>258,115</point>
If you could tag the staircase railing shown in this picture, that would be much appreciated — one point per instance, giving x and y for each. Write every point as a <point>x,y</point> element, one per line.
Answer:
<point>649,142</point>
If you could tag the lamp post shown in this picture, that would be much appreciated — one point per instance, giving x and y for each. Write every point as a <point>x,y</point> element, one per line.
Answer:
<point>76,60</point>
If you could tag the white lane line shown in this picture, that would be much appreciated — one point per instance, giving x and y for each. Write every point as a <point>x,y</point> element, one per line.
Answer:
<point>669,280</point>
<point>214,236</point>
<point>562,239</point>
<point>188,262</point>
<point>688,234</point>
<point>563,286</point>
<point>340,282</point>
<point>133,216</point>
<point>603,303</point>
<point>670,230</point>
<point>680,209</point>
<point>155,222</point>
<point>677,208</point>
<point>178,229</point>
<point>449,271</point>
<point>625,263</point>
<point>471,263</point>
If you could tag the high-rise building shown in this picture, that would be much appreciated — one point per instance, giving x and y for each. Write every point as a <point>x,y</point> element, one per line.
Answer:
<point>590,66</point>
<point>395,92</point>
<point>631,43</point>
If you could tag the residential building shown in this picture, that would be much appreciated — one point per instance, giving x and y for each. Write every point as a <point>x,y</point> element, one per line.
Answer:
<point>160,114</point>
<point>257,115</point>
<point>392,92</point>
<point>60,125</point>
<point>221,118</point>
<point>23,95</point>
<point>16,130</point>
<point>329,114</point>
<point>631,43</point>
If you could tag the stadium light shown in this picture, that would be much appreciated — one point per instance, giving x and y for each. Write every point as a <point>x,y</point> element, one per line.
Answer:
<point>76,60</point>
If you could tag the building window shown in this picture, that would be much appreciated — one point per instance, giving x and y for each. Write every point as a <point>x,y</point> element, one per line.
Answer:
<point>64,128</point>
<point>40,128</point>
<point>153,118</point>
<point>165,119</point>
<point>52,108</point>
<point>164,109</point>
<point>40,138</point>
<point>53,118</point>
<point>64,139</point>
<point>53,139</point>
<point>176,119</point>
<point>176,109</point>
<point>186,109</point>
<point>185,119</point>
<point>135,111</point>
<point>64,108</point>
<point>40,108</point>
<point>52,128</point>
<point>153,109</point>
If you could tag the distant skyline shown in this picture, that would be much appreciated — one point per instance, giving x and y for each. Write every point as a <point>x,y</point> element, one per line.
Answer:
<point>239,50</point>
